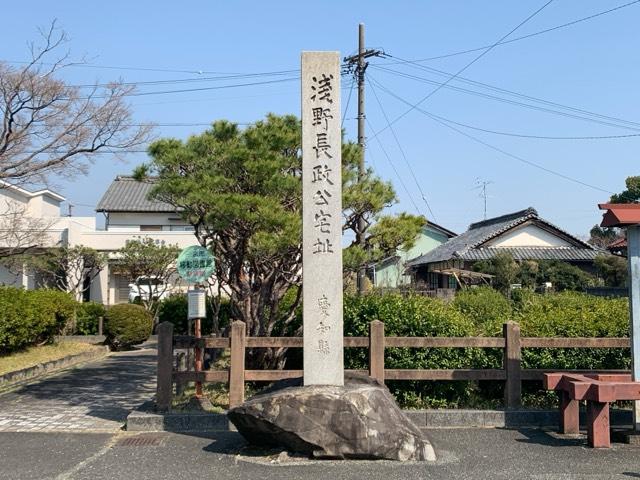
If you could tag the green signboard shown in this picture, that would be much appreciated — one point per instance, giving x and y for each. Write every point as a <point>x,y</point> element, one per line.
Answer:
<point>195,264</point>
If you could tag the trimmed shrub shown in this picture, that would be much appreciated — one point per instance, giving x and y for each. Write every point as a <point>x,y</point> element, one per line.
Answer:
<point>572,314</point>
<point>485,307</point>
<point>31,317</point>
<point>127,325</point>
<point>87,318</point>
<point>414,316</point>
<point>481,312</point>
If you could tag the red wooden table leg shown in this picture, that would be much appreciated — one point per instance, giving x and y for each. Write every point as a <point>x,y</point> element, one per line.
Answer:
<point>569,414</point>
<point>598,424</point>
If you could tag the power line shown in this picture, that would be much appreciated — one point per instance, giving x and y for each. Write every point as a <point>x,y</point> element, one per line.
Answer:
<point>488,145</point>
<point>404,156</point>
<point>517,39</point>
<point>517,103</point>
<point>516,94</point>
<point>404,186</point>
<point>189,80</point>
<point>538,137</point>
<point>446,82</point>
<point>137,69</point>
<point>200,89</point>
<point>346,108</point>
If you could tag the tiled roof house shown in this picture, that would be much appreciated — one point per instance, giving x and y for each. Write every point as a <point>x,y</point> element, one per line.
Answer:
<point>524,234</point>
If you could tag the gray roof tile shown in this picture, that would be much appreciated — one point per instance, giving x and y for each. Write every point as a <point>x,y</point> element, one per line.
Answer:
<point>467,246</point>
<point>128,195</point>
<point>535,253</point>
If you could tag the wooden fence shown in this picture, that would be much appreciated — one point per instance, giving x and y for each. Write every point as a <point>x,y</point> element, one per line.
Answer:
<point>512,372</point>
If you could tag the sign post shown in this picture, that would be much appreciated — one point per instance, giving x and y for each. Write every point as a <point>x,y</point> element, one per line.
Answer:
<point>196,265</point>
<point>321,219</point>
<point>627,216</point>
<point>633,254</point>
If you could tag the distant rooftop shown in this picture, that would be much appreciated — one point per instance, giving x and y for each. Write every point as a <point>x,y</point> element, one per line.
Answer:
<point>126,194</point>
<point>470,245</point>
<point>30,194</point>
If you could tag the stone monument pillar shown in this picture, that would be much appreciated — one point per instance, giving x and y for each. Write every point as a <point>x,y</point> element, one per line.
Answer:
<point>322,219</point>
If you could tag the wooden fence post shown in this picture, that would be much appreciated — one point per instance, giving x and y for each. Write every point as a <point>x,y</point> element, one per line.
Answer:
<point>100,325</point>
<point>376,350</point>
<point>164,389</point>
<point>512,365</point>
<point>236,370</point>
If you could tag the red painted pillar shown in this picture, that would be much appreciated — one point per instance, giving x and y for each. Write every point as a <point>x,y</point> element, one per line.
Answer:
<point>598,424</point>
<point>569,414</point>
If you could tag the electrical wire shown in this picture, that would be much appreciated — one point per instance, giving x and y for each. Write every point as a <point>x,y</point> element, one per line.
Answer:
<point>537,137</point>
<point>523,37</point>
<point>404,186</point>
<point>189,80</point>
<point>404,156</point>
<point>517,103</point>
<point>136,69</point>
<point>199,89</point>
<point>488,145</point>
<point>518,94</point>
<point>451,78</point>
<point>346,108</point>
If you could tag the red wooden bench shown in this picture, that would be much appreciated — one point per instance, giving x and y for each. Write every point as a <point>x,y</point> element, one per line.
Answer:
<point>598,390</point>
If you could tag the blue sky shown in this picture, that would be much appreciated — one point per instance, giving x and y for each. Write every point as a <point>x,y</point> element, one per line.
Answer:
<point>591,66</point>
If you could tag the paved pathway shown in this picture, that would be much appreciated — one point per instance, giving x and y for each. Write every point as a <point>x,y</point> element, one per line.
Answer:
<point>95,397</point>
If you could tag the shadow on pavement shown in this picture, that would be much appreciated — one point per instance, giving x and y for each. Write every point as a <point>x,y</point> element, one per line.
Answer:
<point>549,438</point>
<point>108,389</point>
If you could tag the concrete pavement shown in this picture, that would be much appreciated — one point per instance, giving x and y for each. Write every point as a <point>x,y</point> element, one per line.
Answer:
<point>462,454</point>
<point>94,397</point>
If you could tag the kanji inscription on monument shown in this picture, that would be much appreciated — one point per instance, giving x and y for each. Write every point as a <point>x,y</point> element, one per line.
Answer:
<point>321,219</point>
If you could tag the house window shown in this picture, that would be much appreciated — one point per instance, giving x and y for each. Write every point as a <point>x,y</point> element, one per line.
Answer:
<point>432,280</point>
<point>181,228</point>
<point>150,228</point>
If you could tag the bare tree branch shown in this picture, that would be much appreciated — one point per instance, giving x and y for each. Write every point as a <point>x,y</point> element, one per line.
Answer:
<point>48,127</point>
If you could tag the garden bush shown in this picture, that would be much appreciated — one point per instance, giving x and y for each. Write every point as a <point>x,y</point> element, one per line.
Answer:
<point>31,317</point>
<point>87,318</point>
<point>481,312</point>
<point>486,308</point>
<point>127,325</point>
<point>415,316</point>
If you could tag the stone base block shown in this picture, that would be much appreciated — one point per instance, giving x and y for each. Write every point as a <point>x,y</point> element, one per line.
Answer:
<point>358,420</point>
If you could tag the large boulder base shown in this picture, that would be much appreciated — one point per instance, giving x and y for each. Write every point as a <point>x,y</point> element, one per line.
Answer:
<point>359,420</point>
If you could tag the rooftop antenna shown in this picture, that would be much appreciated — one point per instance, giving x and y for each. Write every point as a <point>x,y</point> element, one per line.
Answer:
<point>482,186</point>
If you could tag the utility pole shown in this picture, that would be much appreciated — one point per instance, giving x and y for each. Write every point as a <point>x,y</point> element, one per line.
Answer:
<point>357,65</point>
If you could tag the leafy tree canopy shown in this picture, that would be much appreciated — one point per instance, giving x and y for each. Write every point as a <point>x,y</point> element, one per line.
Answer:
<point>242,192</point>
<point>632,192</point>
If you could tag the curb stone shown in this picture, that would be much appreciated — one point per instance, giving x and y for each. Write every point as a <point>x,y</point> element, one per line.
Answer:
<point>145,419</point>
<point>18,377</point>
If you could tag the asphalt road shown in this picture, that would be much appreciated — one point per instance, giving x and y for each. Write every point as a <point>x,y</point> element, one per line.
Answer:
<point>462,454</point>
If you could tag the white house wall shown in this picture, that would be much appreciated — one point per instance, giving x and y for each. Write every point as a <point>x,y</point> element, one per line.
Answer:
<point>131,221</point>
<point>114,240</point>
<point>528,236</point>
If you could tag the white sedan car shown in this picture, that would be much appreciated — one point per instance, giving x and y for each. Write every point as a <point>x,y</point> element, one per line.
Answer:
<point>145,288</point>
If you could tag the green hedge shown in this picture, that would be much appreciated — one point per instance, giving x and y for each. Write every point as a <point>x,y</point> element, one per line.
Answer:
<point>481,312</point>
<point>29,317</point>
<point>127,325</point>
<point>87,318</point>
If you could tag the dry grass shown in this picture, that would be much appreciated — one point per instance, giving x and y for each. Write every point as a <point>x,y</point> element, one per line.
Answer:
<point>35,355</point>
<point>216,393</point>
